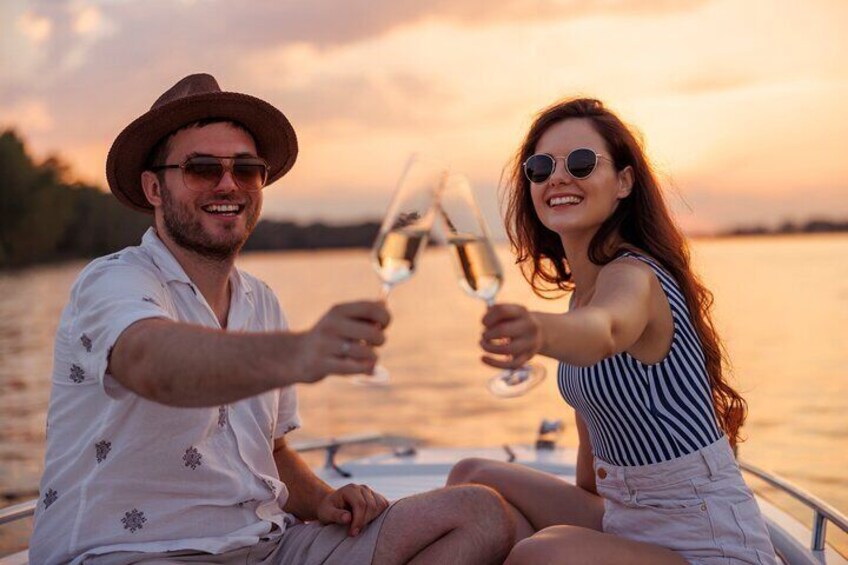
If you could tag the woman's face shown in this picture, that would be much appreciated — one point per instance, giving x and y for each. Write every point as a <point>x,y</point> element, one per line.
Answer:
<point>570,206</point>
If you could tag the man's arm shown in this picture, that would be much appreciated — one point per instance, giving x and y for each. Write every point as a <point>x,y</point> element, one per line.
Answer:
<point>180,364</point>
<point>310,498</point>
<point>306,490</point>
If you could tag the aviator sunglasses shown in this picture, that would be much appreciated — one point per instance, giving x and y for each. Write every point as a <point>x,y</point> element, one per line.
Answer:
<point>579,164</point>
<point>204,172</point>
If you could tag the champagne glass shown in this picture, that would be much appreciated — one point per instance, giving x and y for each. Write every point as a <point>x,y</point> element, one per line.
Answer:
<point>479,271</point>
<point>403,235</point>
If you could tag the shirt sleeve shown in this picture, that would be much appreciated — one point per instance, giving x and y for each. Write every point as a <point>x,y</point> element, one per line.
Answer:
<point>106,300</point>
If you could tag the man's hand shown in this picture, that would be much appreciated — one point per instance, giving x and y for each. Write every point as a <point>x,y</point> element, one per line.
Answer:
<point>356,505</point>
<point>343,342</point>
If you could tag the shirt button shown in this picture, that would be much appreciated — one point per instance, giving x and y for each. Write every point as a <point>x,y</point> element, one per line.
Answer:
<point>602,473</point>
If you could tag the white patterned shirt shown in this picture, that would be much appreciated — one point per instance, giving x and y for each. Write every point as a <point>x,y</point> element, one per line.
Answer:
<point>123,473</point>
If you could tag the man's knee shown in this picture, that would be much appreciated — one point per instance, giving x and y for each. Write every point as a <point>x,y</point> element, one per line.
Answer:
<point>485,511</point>
<point>467,471</point>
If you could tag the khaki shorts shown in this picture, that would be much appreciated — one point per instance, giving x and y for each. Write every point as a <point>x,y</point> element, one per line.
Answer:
<point>302,544</point>
<point>697,505</point>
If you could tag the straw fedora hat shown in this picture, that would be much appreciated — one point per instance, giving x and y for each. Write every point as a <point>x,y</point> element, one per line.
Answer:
<point>196,97</point>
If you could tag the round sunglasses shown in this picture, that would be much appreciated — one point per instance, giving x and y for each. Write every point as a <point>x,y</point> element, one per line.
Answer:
<point>204,172</point>
<point>579,164</point>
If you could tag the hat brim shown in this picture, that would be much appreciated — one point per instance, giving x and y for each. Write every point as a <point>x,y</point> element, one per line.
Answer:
<point>275,139</point>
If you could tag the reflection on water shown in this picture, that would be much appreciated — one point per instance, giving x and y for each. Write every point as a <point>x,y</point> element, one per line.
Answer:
<point>781,306</point>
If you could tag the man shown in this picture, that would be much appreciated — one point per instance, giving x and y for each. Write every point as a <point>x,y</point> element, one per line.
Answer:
<point>172,381</point>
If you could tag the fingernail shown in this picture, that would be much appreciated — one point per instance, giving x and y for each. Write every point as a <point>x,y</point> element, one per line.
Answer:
<point>354,532</point>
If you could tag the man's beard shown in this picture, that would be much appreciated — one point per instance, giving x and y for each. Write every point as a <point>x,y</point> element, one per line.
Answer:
<point>186,229</point>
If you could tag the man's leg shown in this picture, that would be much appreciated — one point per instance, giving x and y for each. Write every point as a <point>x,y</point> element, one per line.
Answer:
<point>467,524</point>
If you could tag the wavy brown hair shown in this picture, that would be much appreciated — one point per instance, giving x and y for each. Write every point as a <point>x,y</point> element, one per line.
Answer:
<point>641,220</point>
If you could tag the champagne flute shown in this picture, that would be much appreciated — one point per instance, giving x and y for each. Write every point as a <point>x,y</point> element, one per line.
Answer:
<point>403,235</point>
<point>479,271</point>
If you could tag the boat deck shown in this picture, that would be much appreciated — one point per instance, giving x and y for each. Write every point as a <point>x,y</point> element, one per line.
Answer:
<point>403,469</point>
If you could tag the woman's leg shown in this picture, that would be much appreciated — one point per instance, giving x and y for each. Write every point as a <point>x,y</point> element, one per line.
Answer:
<point>573,545</point>
<point>538,500</point>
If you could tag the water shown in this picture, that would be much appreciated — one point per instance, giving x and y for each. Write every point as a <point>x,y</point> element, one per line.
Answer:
<point>781,306</point>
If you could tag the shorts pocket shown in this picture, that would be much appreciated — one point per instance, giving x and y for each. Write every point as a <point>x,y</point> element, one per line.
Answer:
<point>679,499</point>
<point>754,532</point>
<point>673,505</point>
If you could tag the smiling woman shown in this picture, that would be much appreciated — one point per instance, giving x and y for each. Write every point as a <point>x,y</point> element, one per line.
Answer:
<point>639,361</point>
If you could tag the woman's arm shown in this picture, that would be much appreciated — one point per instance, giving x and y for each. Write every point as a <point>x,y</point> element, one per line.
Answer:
<point>613,321</point>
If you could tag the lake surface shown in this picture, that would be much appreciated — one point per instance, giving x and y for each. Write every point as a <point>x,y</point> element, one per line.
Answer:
<point>781,306</point>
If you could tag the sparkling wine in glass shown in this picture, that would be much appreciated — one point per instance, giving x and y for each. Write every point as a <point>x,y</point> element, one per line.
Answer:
<point>479,270</point>
<point>403,235</point>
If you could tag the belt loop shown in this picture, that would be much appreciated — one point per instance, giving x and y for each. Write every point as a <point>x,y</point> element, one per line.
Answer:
<point>629,489</point>
<point>710,460</point>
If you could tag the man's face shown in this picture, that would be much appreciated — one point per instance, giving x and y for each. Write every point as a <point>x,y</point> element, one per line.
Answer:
<point>195,219</point>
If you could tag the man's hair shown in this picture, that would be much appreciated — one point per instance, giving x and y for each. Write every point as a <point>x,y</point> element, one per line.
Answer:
<point>159,153</point>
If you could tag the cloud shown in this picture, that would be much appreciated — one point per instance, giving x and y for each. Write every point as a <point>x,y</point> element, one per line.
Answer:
<point>712,83</point>
<point>34,27</point>
<point>93,51</point>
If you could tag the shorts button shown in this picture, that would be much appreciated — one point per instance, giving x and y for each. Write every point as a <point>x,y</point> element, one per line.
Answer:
<point>602,473</point>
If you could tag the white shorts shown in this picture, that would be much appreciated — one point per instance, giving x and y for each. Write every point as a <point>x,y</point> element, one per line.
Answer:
<point>697,505</point>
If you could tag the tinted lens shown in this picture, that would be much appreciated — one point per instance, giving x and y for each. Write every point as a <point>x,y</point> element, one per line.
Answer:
<point>202,173</point>
<point>250,173</point>
<point>581,163</point>
<point>538,168</point>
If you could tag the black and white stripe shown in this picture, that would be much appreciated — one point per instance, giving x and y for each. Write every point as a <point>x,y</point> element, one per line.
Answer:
<point>643,414</point>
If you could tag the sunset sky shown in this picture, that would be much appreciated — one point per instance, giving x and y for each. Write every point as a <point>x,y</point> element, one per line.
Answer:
<point>743,104</point>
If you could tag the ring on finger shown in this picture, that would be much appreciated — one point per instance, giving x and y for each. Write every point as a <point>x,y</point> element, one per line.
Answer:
<point>345,348</point>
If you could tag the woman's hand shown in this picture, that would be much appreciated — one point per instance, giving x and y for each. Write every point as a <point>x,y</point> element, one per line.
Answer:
<point>512,333</point>
<point>356,505</point>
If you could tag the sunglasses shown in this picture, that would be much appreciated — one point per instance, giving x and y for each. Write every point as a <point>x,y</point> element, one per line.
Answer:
<point>579,164</point>
<point>204,172</point>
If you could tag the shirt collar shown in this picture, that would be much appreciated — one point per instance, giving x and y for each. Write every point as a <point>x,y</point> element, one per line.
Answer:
<point>173,271</point>
<point>163,258</point>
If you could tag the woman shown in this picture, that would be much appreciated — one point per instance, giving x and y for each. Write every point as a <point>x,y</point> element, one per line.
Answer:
<point>640,362</point>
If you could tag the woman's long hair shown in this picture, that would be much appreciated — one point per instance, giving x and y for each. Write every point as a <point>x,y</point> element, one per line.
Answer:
<point>641,219</point>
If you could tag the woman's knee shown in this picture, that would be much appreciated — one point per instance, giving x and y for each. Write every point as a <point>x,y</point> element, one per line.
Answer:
<point>528,551</point>
<point>467,471</point>
<point>549,546</point>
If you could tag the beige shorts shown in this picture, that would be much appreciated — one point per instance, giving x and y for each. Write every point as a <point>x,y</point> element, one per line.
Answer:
<point>304,543</point>
<point>697,505</point>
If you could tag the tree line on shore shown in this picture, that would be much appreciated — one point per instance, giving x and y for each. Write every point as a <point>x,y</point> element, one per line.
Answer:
<point>44,217</point>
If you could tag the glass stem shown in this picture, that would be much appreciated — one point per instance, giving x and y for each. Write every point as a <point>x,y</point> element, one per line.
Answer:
<point>384,292</point>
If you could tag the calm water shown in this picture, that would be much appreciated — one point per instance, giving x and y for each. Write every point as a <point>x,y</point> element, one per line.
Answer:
<point>781,306</point>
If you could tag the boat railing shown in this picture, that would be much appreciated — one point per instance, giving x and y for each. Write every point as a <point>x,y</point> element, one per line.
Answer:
<point>17,511</point>
<point>822,511</point>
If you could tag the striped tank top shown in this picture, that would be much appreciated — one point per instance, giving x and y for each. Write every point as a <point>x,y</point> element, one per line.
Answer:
<point>641,414</point>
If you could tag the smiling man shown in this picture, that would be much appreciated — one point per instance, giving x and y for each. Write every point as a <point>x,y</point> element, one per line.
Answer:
<point>172,387</point>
